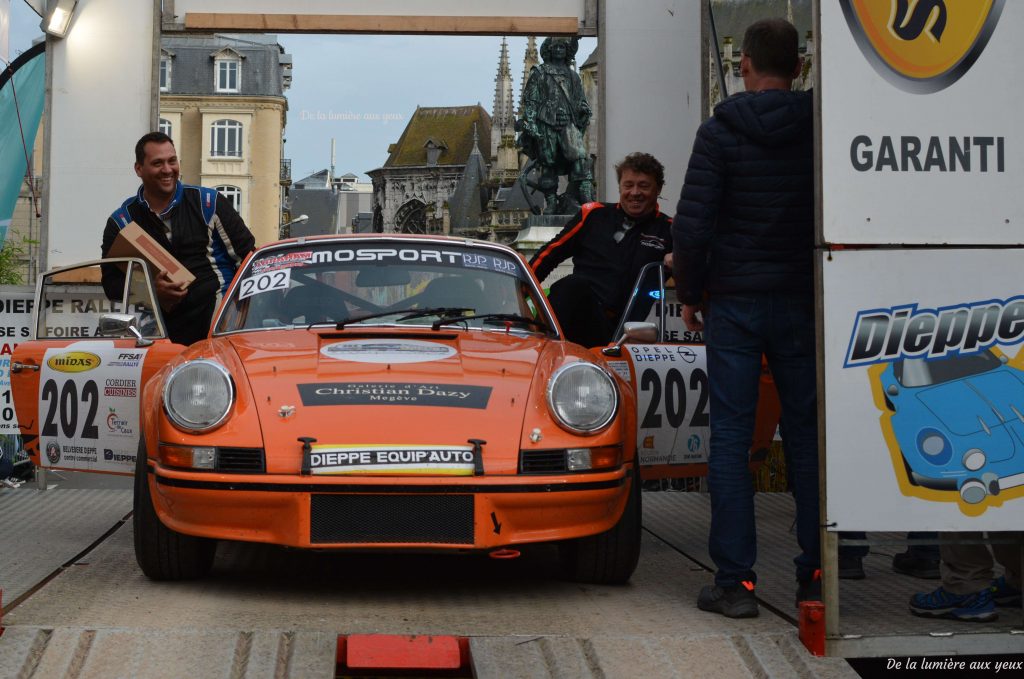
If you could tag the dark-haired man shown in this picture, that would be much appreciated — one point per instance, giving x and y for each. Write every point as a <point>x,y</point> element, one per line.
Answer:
<point>744,236</point>
<point>197,225</point>
<point>609,244</point>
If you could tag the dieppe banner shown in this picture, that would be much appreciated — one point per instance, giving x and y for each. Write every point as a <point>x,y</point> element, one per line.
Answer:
<point>22,89</point>
<point>920,134</point>
<point>924,377</point>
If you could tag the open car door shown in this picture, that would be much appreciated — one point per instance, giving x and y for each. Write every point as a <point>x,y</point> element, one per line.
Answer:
<point>670,379</point>
<point>78,383</point>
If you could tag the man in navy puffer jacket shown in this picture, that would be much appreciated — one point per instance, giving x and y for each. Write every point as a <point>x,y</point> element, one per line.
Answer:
<point>743,235</point>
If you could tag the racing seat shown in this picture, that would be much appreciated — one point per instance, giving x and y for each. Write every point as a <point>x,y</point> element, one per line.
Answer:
<point>313,304</point>
<point>456,292</point>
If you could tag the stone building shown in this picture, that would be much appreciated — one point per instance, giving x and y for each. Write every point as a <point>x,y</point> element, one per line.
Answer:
<point>423,169</point>
<point>222,101</point>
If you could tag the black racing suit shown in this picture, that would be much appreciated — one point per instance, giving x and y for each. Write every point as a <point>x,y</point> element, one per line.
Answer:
<point>208,237</point>
<point>608,250</point>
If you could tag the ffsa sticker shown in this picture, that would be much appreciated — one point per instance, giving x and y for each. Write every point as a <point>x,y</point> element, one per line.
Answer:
<point>89,406</point>
<point>264,282</point>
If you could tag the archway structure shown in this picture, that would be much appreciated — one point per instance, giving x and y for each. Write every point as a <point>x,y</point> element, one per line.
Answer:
<point>101,95</point>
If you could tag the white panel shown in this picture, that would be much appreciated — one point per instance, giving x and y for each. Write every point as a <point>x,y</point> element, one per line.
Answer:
<point>5,28</point>
<point>650,85</point>
<point>965,309</point>
<point>930,206</point>
<point>525,8</point>
<point>99,107</point>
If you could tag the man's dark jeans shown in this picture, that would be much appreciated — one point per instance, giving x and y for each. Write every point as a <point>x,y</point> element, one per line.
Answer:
<point>740,328</point>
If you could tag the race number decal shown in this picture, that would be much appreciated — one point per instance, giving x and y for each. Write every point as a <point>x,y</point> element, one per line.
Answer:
<point>89,407</point>
<point>264,282</point>
<point>672,394</point>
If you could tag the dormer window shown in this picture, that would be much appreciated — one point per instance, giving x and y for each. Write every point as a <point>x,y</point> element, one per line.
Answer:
<point>165,70</point>
<point>227,71</point>
<point>434,149</point>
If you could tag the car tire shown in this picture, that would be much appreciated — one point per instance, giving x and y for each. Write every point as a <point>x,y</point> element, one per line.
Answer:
<point>164,554</point>
<point>607,558</point>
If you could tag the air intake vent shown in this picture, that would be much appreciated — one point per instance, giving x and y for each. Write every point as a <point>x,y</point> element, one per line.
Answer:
<point>542,462</point>
<point>376,519</point>
<point>240,460</point>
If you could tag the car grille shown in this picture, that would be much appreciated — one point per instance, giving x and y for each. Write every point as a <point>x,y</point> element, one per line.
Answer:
<point>374,519</point>
<point>542,462</point>
<point>241,460</point>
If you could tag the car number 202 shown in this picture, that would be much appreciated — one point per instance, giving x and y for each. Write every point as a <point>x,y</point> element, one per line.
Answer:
<point>675,394</point>
<point>66,401</point>
<point>264,282</point>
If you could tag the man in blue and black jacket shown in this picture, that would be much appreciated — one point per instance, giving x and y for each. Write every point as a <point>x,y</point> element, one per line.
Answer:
<point>197,225</point>
<point>743,236</point>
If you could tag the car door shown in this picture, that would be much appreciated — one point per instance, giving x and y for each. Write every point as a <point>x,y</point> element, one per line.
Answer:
<point>76,391</point>
<point>672,385</point>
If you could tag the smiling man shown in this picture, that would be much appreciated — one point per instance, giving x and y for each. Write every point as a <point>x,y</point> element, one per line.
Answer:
<point>197,225</point>
<point>609,244</point>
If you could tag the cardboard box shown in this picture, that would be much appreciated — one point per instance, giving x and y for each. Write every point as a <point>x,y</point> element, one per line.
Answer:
<point>132,241</point>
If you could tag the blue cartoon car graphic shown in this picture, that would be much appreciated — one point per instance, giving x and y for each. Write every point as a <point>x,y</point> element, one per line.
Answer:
<point>959,422</point>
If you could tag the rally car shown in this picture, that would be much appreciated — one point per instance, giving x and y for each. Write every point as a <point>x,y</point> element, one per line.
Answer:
<point>958,422</point>
<point>355,392</point>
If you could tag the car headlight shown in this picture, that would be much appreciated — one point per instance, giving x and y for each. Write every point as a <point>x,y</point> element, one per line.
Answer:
<point>934,446</point>
<point>198,395</point>
<point>583,398</point>
<point>974,459</point>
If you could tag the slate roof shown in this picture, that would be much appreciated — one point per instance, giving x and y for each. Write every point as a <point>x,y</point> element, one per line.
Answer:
<point>452,125</point>
<point>470,197</point>
<point>192,63</point>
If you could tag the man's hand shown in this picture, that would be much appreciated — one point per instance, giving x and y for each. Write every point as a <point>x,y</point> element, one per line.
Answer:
<point>168,292</point>
<point>668,260</point>
<point>693,324</point>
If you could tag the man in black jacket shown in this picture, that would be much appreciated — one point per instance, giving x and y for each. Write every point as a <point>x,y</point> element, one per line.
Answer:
<point>609,245</point>
<point>744,235</point>
<point>195,224</point>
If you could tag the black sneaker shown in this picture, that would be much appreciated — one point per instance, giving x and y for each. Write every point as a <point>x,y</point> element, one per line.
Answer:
<point>917,564</point>
<point>809,590</point>
<point>851,567</point>
<point>732,602</point>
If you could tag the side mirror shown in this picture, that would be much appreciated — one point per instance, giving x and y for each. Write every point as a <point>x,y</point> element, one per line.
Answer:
<point>119,325</point>
<point>634,332</point>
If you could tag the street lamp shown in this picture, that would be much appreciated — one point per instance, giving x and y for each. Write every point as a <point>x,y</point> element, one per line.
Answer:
<point>58,17</point>
<point>286,228</point>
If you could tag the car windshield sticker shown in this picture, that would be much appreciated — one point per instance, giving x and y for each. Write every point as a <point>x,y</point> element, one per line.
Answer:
<point>392,460</point>
<point>89,406</point>
<point>287,260</point>
<point>394,393</point>
<point>387,351</point>
<point>264,282</point>
<point>449,257</point>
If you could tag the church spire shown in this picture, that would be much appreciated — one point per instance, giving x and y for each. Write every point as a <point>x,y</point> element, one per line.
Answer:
<point>503,117</point>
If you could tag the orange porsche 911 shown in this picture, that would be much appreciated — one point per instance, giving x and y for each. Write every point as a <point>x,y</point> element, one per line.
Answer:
<point>355,392</point>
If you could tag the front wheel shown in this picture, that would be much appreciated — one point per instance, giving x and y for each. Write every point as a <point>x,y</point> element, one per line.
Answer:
<point>608,558</point>
<point>164,554</point>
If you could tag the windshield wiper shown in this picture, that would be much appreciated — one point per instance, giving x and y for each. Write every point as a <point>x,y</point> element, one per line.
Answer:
<point>409,314</point>
<point>513,318</point>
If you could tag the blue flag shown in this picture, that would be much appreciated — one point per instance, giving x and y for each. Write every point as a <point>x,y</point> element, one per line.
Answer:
<point>22,93</point>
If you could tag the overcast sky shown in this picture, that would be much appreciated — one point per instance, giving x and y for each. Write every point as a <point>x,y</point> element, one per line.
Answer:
<point>361,89</point>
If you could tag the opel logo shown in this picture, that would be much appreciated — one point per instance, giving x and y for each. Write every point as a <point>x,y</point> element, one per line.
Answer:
<point>922,46</point>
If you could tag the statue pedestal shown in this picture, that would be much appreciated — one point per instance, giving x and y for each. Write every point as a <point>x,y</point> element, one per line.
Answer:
<point>536,232</point>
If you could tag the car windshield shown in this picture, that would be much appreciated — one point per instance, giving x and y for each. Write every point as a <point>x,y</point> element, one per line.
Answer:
<point>352,283</point>
<point>918,372</point>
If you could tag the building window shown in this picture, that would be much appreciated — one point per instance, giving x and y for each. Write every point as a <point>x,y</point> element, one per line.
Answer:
<point>165,127</point>
<point>227,75</point>
<point>226,139</point>
<point>165,73</point>
<point>232,193</point>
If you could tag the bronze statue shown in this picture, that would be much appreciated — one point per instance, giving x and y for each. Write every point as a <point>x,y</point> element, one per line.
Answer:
<point>555,116</point>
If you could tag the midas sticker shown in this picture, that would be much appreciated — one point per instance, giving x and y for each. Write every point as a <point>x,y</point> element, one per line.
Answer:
<point>74,362</point>
<point>922,46</point>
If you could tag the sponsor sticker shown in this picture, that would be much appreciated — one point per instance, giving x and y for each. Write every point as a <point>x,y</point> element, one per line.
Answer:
<point>392,460</point>
<point>394,393</point>
<point>74,361</point>
<point>387,351</point>
<point>282,261</point>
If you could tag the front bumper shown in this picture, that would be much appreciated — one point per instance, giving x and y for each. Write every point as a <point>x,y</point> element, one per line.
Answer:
<point>478,512</point>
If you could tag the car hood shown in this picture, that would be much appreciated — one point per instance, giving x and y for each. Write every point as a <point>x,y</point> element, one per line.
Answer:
<point>402,388</point>
<point>992,401</point>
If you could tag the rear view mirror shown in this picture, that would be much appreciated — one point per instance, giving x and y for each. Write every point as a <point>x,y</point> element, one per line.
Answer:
<point>120,325</point>
<point>381,276</point>
<point>635,332</point>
